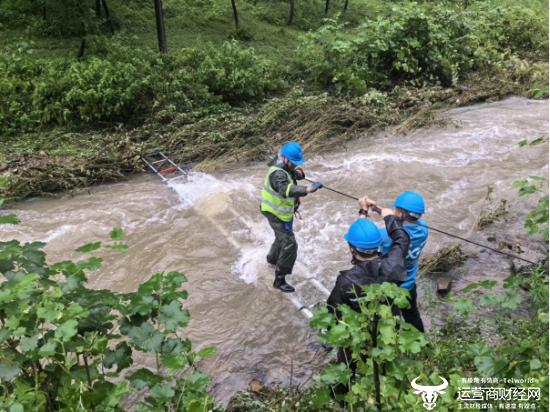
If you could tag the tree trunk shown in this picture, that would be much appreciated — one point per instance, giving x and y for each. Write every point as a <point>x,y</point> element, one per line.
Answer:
<point>161,30</point>
<point>375,366</point>
<point>235,14</point>
<point>83,30</point>
<point>108,16</point>
<point>346,4</point>
<point>81,48</point>
<point>98,8</point>
<point>327,6</point>
<point>291,13</point>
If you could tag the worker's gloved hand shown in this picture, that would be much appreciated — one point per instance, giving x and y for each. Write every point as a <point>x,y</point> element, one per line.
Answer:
<point>298,173</point>
<point>314,187</point>
<point>365,202</point>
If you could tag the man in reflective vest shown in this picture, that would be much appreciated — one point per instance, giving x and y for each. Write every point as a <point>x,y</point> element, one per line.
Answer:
<point>280,199</point>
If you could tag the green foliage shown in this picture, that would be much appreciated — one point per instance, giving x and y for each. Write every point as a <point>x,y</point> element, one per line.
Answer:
<point>373,335</point>
<point>521,348</point>
<point>232,72</point>
<point>536,220</point>
<point>55,18</point>
<point>126,83</point>
<point>66,347</point>
<point>458,350</point>
<point>418,44</point>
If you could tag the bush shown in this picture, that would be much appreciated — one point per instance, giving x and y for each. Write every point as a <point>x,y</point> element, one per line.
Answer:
<point>417,44</point>
<point>232,72</point>
<point>122,83</point>
<point>66,347</point>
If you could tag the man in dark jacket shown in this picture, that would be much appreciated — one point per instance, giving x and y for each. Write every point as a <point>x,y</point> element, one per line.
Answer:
<point>369,267</point>
<point>280,200</point>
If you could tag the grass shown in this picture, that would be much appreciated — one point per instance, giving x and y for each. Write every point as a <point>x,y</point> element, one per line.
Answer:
<point>262,26</point>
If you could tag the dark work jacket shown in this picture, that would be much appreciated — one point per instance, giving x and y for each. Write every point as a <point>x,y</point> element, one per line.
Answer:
<point>279,181</point>
<point>389,268</point>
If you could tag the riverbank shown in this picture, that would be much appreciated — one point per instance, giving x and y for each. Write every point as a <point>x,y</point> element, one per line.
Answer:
<point>56,160</point>
<point>209,228</point>
<point>220,97</point>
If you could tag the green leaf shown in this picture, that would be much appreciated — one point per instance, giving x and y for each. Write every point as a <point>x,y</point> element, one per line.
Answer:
<point>162,392</point>
<point>411,341</point>
<point>488,284</point>
<point>511,300</point>
<point>115,395</point>
<point>464,306</point>
<point>121,356</point>
<point>334,373</point>
<point>48,349</point>
<point>174,362</point>
<point>470,287</point>
<point>8,371</point>
<point>321,397</point>
<point>117,234</point>
<point>89,247</point>
<point>146,337</point>
<point>28,344</point>
<point>535,364</point>
<point>144,377</point>
<point>537,141</point>
<point>121,247</point>
<point>338,335</point>
<point>207,352</point>
<point>10,219</point>
<point>173,315</point>
<point>484,364</point>
<point>67,330</point>
<point>16,407</point>
<point>196,381</point>
<point>92,263</point>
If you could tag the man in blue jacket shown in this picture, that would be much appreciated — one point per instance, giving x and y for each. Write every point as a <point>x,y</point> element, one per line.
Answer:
<point>409,207</point>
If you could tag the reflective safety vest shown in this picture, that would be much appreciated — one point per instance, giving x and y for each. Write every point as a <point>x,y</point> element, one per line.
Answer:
<point>273,202</point>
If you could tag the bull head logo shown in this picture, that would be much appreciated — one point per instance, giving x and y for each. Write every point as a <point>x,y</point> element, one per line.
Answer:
<point>429,393</point>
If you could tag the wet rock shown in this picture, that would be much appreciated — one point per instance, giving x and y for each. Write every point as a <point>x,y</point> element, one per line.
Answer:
<point>255,386</point>
<point>444,284</point>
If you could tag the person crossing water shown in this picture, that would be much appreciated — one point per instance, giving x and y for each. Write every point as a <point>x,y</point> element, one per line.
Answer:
<point>409,207</point>
<point>280,199</point>
<point>369,267</point>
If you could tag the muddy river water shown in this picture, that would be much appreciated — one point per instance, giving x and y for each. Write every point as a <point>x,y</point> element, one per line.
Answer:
<point>209,227</point>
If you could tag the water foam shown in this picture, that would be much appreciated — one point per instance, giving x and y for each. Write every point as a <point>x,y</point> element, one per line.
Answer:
<point>57,232</point>
<point>200,186</point>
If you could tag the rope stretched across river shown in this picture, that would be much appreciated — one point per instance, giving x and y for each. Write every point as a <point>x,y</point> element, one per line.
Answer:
<point>437,230</point>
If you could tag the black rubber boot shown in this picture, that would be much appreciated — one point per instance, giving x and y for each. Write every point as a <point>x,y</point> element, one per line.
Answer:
<point>280,283</point>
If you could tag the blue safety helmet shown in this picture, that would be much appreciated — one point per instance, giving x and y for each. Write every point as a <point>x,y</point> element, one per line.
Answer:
<point>363,235</point>
<point>293,152</point>
<point>411,202</point>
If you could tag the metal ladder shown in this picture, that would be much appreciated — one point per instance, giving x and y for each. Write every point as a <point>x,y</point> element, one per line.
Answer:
<point>163,167</point>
